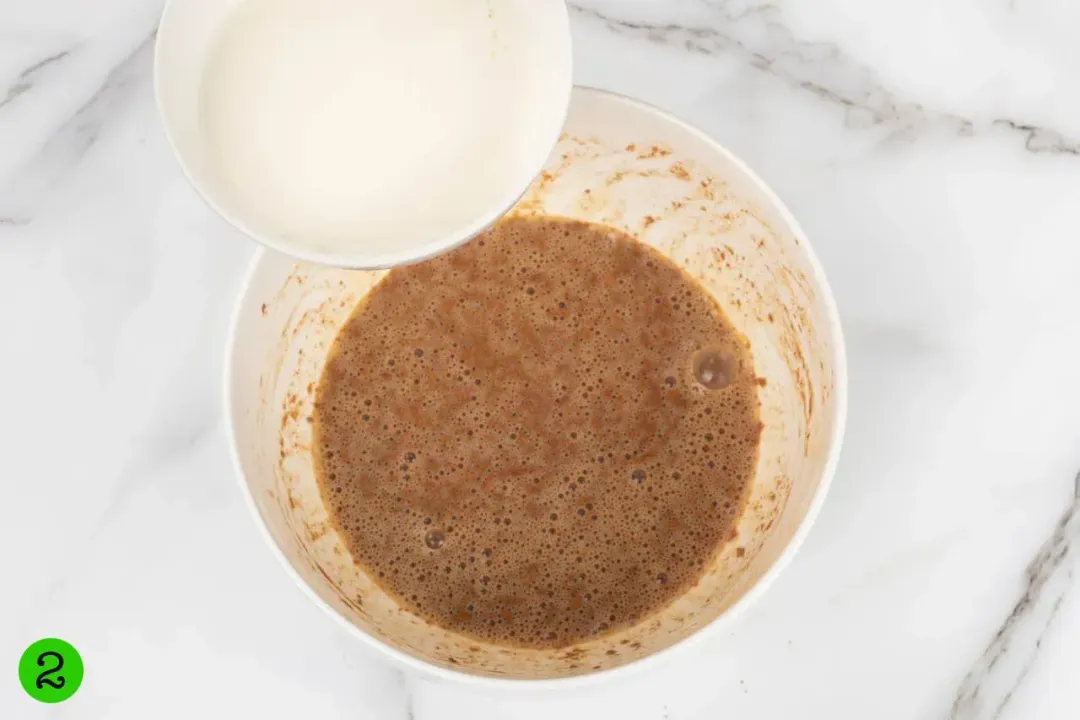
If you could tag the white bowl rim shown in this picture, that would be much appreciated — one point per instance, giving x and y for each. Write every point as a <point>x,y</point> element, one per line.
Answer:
<point>361,260</point>
<point>840,395</point>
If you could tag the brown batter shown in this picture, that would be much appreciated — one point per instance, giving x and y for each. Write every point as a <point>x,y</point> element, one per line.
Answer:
<point>540,437</point>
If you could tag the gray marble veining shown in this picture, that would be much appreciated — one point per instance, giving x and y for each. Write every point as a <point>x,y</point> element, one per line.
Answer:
<point>759,38</point>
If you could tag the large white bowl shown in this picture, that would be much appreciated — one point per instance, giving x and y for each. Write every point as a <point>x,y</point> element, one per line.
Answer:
<point>622,163</point>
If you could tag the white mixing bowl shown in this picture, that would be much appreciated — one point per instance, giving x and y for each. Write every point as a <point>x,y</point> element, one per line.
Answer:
<point>627,165</point>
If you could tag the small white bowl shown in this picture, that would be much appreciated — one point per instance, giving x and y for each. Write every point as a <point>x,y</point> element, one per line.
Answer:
<point>533,34</point>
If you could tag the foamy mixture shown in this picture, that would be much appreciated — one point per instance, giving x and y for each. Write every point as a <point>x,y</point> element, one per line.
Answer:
<point>379,127</point>
<point>540,437</point>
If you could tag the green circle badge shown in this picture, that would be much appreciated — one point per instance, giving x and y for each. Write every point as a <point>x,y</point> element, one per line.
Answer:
<point>50,670</point>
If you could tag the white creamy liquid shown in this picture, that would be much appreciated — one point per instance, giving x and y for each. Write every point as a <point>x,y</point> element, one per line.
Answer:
<point>372,126</point>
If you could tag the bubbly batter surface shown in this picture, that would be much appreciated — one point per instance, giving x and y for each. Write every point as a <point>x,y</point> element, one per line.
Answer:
<point>540,437</point>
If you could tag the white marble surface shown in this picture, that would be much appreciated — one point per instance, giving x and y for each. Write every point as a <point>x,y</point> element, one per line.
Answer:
<point>931,149</point>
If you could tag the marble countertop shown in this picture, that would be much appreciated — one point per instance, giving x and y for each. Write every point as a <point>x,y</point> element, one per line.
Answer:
<point>931,150</point>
